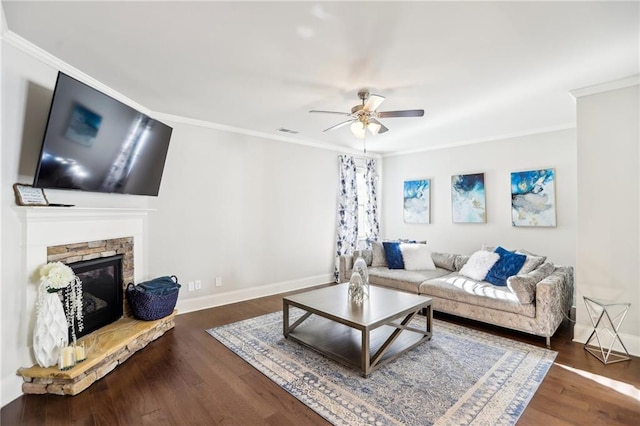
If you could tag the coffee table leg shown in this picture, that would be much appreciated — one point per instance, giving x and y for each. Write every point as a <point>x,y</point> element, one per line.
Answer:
<point>365,360</point>
<point>285,318</point>
<point>429,315</point>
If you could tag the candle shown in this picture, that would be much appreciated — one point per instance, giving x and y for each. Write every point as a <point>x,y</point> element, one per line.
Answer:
<point>67,358</point>
<point>80,353</point>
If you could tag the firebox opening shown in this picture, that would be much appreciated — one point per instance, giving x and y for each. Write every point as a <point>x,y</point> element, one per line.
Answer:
<point>102,292</point>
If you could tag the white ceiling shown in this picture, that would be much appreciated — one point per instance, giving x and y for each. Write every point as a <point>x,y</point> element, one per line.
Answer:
<point>479,70</point>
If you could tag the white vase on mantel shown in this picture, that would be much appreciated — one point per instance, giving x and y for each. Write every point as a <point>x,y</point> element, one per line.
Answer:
<point>51,331</point>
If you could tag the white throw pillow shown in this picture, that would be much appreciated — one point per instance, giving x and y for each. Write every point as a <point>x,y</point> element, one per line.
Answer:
<point>416,257</point>
<point>479,265</point>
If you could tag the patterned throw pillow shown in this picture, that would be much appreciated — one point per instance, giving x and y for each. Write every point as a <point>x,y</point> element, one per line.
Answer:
<point>393,254</point>
<point>416,257</point>
<point>508,265</point>
<point>479,265</point>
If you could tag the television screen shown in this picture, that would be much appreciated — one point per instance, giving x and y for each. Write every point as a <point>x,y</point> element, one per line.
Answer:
<point>95,143</point>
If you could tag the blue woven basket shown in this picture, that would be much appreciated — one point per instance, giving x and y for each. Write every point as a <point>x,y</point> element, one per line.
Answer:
<point>149,305</point>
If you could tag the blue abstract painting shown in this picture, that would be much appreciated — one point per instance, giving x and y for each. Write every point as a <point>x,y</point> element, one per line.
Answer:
<point>416,201</point>
<point>468,201</point>
<point>533,198</point>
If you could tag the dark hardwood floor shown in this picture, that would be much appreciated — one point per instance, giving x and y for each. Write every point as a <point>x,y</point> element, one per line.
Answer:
<point>188,378</point>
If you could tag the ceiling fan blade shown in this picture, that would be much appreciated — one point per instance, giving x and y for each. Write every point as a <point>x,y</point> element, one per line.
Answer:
<point>330,112</point>
<point>337,126</point>
<point>377,127</point>
<point>373,102</point>
<point>403,113</point>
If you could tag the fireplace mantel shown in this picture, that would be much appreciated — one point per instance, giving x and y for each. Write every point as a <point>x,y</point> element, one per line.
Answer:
<point>46,213</point>
<point>63,225</point>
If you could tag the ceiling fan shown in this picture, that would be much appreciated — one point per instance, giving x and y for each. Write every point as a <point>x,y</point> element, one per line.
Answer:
<point>365,116</point>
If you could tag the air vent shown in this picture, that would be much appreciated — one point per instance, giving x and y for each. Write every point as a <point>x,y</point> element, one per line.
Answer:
<point>283,130</point>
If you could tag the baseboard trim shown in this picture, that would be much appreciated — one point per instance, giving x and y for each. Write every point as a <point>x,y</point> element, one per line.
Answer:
<point>233,296</point>
<point>581,333</point>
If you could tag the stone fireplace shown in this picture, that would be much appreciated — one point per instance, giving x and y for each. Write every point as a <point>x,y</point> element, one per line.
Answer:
<point>81,237</point>
<point>91,261</point>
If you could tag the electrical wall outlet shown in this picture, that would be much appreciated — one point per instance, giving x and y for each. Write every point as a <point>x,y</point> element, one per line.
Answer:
<point>218,281</point>
<point>191,286</point>
<point>198,284</point>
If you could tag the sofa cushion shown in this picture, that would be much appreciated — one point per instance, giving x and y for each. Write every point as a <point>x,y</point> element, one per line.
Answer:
<point>378,256</point>
<point>366,254</point>
<point>524,285</point>
<point>401,279</point>
<point>479,264</point>
<point>508,265</point>
<point>532,262</point>
<point>393,255</point>
<point>480,293</point>
<point>444,260</point>
<point>416,257</point>
<point>461,260</point>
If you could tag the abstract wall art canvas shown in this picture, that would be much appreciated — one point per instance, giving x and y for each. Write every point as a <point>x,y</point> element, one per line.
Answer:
<point>468,201</point>
<point>533,198</point>
<point>416,201</point>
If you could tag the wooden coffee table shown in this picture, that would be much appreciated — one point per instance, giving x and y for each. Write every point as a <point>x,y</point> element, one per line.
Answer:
<point>362,336</point>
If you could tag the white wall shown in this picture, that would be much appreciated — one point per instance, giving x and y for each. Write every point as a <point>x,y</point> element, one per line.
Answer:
<point>27,88</point>
<point>259,214</point>
<point>608,255</point>
<point>496,159</point>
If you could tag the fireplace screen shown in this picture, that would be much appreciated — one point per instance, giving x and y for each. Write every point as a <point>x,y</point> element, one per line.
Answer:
<point>102,292</point>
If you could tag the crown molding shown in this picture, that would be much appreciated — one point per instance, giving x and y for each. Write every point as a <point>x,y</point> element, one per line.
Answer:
<point>238,130</point>
<point>54,62</point>
<point>622,83</point>
<point>566,126</point>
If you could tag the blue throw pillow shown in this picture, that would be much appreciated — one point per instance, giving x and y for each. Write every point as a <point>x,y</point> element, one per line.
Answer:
<point>509,264</point>
<point>394,255</point>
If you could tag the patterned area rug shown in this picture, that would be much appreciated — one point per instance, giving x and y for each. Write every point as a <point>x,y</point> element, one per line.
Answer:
<point>459,377</point>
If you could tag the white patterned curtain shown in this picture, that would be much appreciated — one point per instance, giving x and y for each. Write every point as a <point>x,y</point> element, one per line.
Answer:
<point>372,226</point>
<point>347,211</point>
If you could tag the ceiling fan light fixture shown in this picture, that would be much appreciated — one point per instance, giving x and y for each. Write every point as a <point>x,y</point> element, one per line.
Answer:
<point>358,129</point>
<point>374,127</point>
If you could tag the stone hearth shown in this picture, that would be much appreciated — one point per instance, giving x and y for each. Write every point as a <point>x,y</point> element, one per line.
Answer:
<point>106,349</point>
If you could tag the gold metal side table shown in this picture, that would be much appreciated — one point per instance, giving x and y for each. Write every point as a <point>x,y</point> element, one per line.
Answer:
<point>606,318</point>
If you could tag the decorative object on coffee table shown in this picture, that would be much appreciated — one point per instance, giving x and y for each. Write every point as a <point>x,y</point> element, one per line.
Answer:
<point>359,286</point>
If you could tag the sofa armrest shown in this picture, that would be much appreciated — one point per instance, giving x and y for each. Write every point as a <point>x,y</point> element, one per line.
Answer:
<point>345,267</point>
<point>554,297</point>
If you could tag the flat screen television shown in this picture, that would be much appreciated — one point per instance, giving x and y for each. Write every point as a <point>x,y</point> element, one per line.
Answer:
<point>96,143</point>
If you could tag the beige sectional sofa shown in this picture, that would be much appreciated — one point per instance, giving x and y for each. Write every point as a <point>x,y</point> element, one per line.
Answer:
<point>535,302</point>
